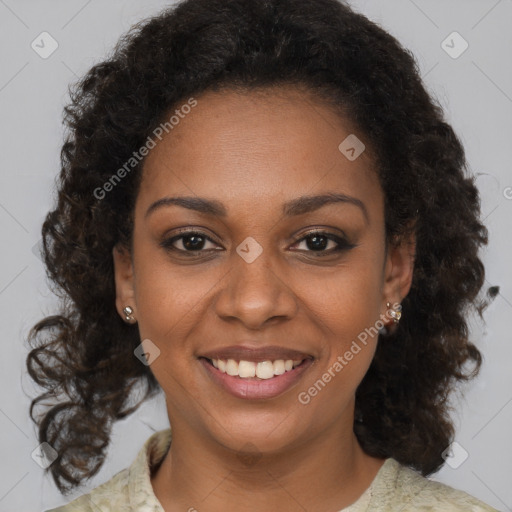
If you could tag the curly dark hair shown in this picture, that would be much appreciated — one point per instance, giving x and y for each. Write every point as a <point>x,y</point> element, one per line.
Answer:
<point>83,356</point>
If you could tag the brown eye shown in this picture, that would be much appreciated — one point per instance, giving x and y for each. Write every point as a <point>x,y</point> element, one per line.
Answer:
<point>188,241</point>
<point>324,243</point>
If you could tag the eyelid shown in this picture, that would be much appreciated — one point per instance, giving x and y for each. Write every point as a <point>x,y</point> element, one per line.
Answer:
<point>322,231</point>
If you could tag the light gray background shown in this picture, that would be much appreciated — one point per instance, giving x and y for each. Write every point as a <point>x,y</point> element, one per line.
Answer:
<point>475,90</point>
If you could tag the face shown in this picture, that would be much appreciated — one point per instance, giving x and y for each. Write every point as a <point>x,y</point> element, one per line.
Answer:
<point>258,265</point>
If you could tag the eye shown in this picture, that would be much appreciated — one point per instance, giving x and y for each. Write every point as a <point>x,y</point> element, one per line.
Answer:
<point>188,241</point>
<point>319,241</point>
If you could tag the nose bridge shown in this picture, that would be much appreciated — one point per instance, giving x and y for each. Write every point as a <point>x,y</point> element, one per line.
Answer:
<point>254,290</point>
<point>253,264</point>
<point>253,271</point>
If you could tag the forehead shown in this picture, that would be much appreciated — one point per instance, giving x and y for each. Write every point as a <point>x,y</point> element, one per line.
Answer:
<point>256,147</point>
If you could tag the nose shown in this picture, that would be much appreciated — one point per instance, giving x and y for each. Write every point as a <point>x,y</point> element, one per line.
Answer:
<point>256,293</point>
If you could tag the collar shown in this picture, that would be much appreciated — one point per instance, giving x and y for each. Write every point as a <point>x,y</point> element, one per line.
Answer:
<point>140,491</point>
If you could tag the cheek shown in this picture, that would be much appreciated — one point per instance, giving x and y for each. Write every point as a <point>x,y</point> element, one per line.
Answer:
<point>169,298</point>
<point>349,323</point>
<point>351,301</point>
<point>348,313</point>
<point>169,307</point>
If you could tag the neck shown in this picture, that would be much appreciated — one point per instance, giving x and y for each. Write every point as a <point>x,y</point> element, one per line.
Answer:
<point>328,472</point>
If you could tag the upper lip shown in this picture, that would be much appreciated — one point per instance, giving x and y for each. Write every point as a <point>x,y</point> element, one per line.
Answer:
<point>245,353</point>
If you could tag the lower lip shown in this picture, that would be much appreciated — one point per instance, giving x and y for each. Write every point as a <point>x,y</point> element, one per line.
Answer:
<point>254,389</point>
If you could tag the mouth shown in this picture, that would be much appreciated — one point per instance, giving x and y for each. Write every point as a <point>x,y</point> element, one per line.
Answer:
<point>261,379</point>
<point>256,370</point>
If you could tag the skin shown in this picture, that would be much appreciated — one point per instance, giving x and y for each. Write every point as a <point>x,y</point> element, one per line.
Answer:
<point>253,152</point>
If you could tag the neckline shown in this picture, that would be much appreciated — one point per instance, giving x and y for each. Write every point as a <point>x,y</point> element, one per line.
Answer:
<point>367,497</point>
<point>156,447</point>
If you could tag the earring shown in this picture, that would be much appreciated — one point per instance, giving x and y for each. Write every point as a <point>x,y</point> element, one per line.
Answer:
<point>395,312</point>
<point>128,315</point>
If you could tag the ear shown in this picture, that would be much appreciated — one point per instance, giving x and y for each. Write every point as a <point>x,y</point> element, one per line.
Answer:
<point>124,279</point>
<point>398,269</point>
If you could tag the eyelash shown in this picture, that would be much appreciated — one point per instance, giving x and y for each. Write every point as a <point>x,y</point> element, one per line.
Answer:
<point>343,244</point>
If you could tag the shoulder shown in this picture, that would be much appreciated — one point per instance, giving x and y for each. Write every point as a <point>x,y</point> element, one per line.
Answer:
<point>401,488</point>
<point>130,489</point>
<point>113,492</point>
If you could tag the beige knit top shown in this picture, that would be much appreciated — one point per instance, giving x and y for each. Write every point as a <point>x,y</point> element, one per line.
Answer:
<point>394,488</point>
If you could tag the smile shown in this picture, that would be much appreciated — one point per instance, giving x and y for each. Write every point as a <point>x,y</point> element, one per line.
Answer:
<point>256,380</point>
<point>260,370</point>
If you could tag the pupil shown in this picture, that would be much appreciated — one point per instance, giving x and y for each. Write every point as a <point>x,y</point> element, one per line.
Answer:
<point>194,245</point>
<point>315,244</point>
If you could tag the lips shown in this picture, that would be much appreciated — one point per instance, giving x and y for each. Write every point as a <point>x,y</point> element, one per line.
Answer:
<point>218,364</point>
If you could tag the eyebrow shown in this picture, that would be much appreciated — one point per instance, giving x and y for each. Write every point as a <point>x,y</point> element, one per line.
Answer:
<point>299,206</point>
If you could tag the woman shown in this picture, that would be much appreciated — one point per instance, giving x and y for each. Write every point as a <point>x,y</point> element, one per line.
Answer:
<point>261,212</point>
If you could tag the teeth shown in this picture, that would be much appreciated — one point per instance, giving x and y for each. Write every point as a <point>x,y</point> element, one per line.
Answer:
<point>265,370</point>
<point>279,367</point>
<point>248,369</point>
<point>232,367</point>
